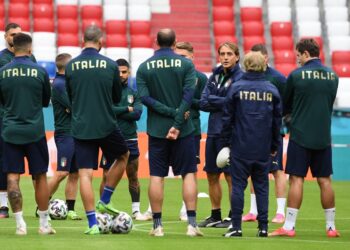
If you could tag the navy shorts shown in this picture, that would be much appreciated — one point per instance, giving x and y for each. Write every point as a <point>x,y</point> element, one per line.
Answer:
<point>65,153</point>
<point>133,147</point>
<point>3,175</point>
<point>212,148</point>
<point>112,146</point>
<point>178,154</point>
<point>197,144</point>
<point>277,160</point>
<point>299,159</point>
<point>36,153</point>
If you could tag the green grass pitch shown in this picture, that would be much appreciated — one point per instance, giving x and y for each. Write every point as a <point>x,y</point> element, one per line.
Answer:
<point>310,226</point>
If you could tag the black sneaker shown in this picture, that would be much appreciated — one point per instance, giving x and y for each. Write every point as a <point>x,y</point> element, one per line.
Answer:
<point>262,233</point>
<point>4,212</point>
<point>209,222</point>
<point>224,224</point>
<point>233,233</point>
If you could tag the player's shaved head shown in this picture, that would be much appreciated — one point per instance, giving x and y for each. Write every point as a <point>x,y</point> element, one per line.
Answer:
<point>166,38</point>
<point>254,61</point>
<point>62,60</point>
<point>22,43</point>
<point>92,34</point>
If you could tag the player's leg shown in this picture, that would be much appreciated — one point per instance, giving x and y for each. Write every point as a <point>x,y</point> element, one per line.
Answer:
<point>134,187</point>
<point>253,211</point>
<point>4,210</point>
<point>226,222</point>
<point>54,182</point>
<point>71,192</point>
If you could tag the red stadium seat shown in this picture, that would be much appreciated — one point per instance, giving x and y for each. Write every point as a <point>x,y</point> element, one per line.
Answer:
<point>89,22</point>
<point>67,11</point>
<point>140,28</point>
<point>342,70</point>
<point>250,41</point>
<point>224,28</point>
<point>43,1</point>
<point>115,27</point>
<point>2,24</point>
<point>2,11</point>
<point>141,41</point>
<point>67,40</point>
<point>282,43</point>
<point>116,41</point>
<point>318,39</point>
<point>341,57</point>
<point>253,29</point>
<point>284,56</point>
<point>221,39</point>
<point>227,3</point>
<point>18,11</point>
<point>42,11</point>
<point>23,22</point>
<point>322,56</point>
<point>249,14</point>
<point>19,1</point>
<point>43,25</point>
<point>223,14</point>
<point>91,12</point>
<point>281,29</point>
<point>285,69</point>
<point>68,26</point>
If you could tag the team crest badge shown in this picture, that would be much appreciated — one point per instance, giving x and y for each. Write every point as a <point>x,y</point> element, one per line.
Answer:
<point>228,83</point>
<point>104,161</point>
<point>130,99</point>
<point>63,162</point>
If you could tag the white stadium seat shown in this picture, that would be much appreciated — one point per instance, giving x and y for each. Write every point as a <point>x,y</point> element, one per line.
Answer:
<point>339,43</point>
<point>141,54</point>
<point>280,14</point>
<point>139,2</point>
<point>343,94</point>
<point>90,2</point>
<point>250,3</point>
<point>67,2</point>
<point>116,53</point>
<point>160,6</point>
<point>139,12</point>
<point>45,39</point>
<point>72,50</point>
<point>44,53</point>
<point>306,29</point>
<point>306,3</point>
<point>338,28</point>
<point>308,14</point>
<point>334,3</point>
<point>336,14</point>
<point>114,12</point>
<point>120,2</point>
<point>2,42</point>
<point>278,3</point>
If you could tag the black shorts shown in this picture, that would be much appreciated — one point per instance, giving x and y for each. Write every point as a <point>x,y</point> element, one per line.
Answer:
<point>178,154</point>
<point>112,146</point>
<point>299,159</point>
<point>212,148</point>
<point>36,153</point>
<point>65,153</point>
<point>197,144</point>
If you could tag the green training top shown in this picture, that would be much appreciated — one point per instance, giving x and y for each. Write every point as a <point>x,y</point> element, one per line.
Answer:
<point>24,90</point>
<point>93,85</point>
<point>309,97</point>
<point>166,84</point>
<point>201,80</point>
<point>127,120</point>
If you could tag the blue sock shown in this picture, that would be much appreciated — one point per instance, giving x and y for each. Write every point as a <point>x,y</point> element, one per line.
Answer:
<point>91,216</point>
<point>191,216</point>
<point>106,194</point>
<point>157,220</point>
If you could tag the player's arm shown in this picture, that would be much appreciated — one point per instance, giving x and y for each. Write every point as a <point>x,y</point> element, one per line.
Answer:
<point>136,112</point>
<point>276,122</point>
<point>288,95</point>
<point>60,95</point>
<point>150,102</point>
<point>202,80</point>
<point>228,117</point>
<point>117,86</point>
<point>119,110</point>
<point>204,103</point>
<point>68,87</point>
<point>187,96</point>
<point>46,90</point>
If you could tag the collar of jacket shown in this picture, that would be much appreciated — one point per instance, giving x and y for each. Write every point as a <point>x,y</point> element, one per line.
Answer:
<point>257,76</point>
<point>164,52</point>
<point>89,51</point>
<point>315,61</point>
<point>233,70</point>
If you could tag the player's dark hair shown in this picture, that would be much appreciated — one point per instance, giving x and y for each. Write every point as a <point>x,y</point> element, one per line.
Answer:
<point>166,38</point>
<point>123,62</point>
<point>11,26</point>
<point>185,46</point>
<point>309,45</point>
<point>92,34</point>
<point>260,48</point>
<point>62,60</point>
<point>21,42</point>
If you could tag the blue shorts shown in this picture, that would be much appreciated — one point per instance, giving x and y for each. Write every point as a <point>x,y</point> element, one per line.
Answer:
<point>178,154</point>
<point>277,161</point>
<point>3,175</point>
<point>134,154</point>
<point>197,144</point>
<point>112,146</point>
<point>36,153</point>
<point>299,159</point>
<point>65,153</point>
<point>212,148</point>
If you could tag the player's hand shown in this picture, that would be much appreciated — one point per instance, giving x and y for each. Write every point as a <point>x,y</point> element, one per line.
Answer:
<point>67,111</point>
<point>187,115</point>
<point>130,109</point>
<point>274,153</point>
<point>173,133</point>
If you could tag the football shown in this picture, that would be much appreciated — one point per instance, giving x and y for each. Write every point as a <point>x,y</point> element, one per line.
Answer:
<point>58,209</point>
<point>223,157</point>
<point>104,222</point>
<point>121,224</point>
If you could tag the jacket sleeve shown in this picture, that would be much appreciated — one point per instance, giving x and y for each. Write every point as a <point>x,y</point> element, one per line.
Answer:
<point>187,95</point>
<point>276,122</point>
<point>202,80</point>
<point>150,102</point>
<point>60,95</point>
<point>117,86</point>
<point>68,87</point>
<point>288,95</point>
<point>204,103</point>
<point>136,114</point>
<point>46,90</point>
<point>119,110</point>
<point>228,118</point>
